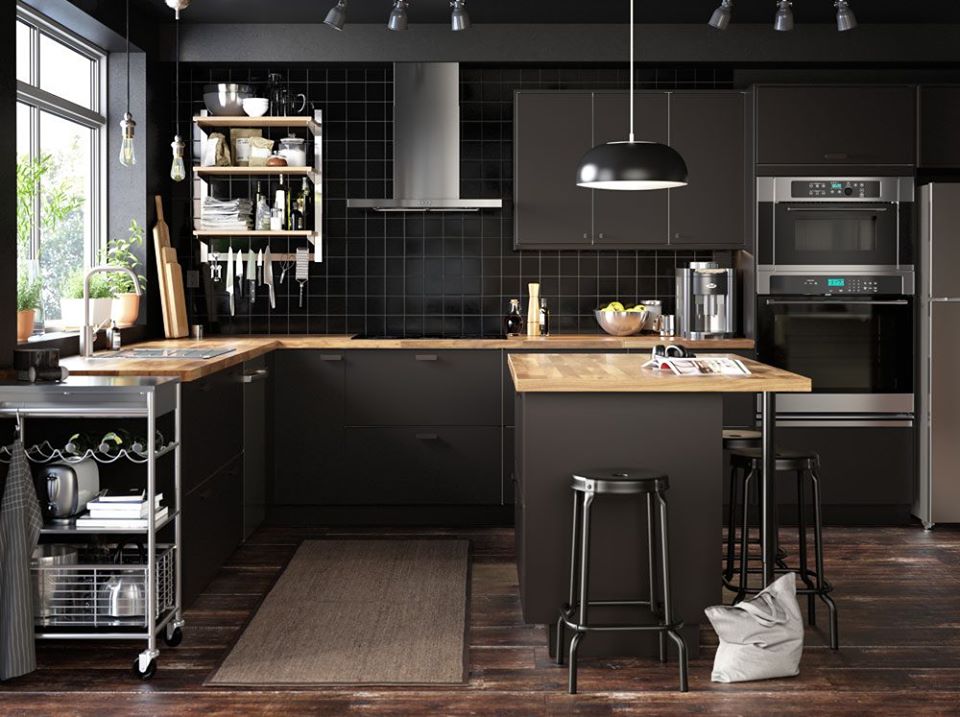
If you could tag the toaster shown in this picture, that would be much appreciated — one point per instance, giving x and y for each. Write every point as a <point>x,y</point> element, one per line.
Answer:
<point>66,488</point>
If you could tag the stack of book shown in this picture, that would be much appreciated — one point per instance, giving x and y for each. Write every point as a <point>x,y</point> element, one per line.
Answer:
<point>123,510</point>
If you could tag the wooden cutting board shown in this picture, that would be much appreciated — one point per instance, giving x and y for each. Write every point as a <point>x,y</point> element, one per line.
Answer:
<point>161,241</point>
<point>177,300</point>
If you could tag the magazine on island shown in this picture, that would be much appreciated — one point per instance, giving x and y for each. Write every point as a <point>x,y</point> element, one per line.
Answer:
<point>699,366</point>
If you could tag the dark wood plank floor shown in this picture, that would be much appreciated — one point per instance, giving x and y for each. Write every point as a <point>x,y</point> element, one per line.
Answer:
<point>898,590</point>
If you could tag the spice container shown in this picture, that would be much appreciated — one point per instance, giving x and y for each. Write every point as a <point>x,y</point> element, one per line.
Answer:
<point>294,150</point>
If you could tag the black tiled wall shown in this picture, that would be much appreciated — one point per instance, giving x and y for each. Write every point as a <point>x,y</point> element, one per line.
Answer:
<point>433,273</point>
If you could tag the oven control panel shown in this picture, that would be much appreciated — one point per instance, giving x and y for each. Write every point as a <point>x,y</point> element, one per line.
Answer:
<point>832,189</point>
<point>836,285</point>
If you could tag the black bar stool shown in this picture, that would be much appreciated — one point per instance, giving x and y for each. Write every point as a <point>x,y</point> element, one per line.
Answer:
<point>574,613</point>
<point>748,464</point>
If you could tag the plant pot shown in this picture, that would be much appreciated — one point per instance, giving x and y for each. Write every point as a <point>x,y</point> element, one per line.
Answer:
<point>25,321</point>
<point>126,309</point>
<point>71,312</point>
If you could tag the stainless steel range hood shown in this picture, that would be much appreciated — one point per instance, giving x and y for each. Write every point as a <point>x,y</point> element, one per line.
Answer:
<point>426,143</point>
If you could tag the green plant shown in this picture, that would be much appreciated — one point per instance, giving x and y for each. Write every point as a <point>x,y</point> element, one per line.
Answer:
<point>72,287</point>
<point>119,252</point>
<point>28,292</point>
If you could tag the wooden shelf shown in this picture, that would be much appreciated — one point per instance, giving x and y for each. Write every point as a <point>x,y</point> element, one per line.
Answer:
<point>256,172</point>
<point>298,121</point>
<point>252,233</point>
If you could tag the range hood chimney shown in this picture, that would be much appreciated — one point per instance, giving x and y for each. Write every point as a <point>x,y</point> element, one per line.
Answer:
<point>426,143</point>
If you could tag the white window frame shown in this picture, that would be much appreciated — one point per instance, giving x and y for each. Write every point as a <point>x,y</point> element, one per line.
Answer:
<point>93,118</point>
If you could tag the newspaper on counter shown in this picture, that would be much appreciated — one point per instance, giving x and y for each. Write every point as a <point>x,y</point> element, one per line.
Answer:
<point>701,366</point>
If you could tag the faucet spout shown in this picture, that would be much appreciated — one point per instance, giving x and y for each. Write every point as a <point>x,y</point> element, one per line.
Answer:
<point>88,332</point>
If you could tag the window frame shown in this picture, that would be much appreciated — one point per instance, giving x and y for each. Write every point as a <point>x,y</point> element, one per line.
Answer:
<point>38,100</point>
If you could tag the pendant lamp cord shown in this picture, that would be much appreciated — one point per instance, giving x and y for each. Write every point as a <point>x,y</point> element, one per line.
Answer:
<point>176,106</point>
<point>632,30</point>
<point>128,56</point>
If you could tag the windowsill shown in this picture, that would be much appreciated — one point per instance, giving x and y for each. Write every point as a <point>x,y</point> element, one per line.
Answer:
<point>52,335</point>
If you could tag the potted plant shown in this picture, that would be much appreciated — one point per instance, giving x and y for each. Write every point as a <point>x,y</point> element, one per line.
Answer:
<point>119,252</point>
<point>71,300</point>
<point>28,299</point>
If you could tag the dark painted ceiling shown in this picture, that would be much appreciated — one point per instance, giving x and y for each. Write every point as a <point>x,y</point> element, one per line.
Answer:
<point>551,11</point>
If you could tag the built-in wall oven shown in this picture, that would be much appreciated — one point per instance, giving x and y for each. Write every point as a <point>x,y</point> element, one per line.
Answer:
<point>835,296</point>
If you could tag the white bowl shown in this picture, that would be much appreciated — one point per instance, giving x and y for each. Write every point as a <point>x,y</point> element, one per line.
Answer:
<point>256,106</point>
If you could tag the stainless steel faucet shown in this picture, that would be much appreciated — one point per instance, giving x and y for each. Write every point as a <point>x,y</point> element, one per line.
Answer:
<point>88,332</point>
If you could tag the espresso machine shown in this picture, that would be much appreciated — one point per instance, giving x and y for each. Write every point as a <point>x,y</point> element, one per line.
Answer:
<point>705,301</point>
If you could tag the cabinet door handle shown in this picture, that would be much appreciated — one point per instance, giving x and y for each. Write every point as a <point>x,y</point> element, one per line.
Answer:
<point>331,357</point>
<point>836,155</point>
<point>601,235</point>
<point>586,236</point>
<point>683,236</point>
<point>427,357</point>
<point>427,437</point>
<point>259,375</point>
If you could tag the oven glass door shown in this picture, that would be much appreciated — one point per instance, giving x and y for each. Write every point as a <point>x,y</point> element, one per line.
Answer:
<point>844,345</point>
<point>834,233</point>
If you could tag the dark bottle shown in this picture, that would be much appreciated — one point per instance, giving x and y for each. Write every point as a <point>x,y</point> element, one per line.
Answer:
<point>78,444</point>
<point>513,321</point>
<point>139,444</point>
<point>115,441</point>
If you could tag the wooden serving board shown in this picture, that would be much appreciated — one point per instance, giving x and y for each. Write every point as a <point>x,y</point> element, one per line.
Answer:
<point>177,300</point>
<point>161,241</point>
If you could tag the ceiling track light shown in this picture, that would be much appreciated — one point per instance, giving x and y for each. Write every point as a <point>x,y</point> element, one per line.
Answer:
<point>398,16</point>
<point>721,16</point>
<point>783,21</point>
<point>337,17</point>
<point>846,20</point>
<point>459,19</point>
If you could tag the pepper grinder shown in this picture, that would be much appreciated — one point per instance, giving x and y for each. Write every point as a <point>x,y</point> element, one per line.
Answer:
<point>533,310</point>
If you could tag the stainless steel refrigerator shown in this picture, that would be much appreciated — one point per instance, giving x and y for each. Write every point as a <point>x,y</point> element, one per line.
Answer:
<point>937,497</point>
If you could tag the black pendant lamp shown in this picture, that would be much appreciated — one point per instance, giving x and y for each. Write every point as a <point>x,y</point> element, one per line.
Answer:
<point>632,165</point>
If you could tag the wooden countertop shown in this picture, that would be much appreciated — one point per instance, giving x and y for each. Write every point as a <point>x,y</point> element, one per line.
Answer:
<point>624,373</point>
<point>248,347</point>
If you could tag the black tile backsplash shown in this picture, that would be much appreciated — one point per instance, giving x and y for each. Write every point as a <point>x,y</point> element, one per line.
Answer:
<point>446,273</point>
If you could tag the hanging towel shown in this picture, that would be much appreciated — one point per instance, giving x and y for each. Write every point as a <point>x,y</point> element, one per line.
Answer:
<point>20,523</point>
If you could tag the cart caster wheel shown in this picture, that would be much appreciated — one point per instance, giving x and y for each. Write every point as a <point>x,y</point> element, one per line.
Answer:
<point>148,673</point>
<point>173,638</point>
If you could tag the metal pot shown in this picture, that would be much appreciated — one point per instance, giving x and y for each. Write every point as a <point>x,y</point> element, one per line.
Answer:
<point>53,593</point>
<point>226,99</point>
<point>124,595</point>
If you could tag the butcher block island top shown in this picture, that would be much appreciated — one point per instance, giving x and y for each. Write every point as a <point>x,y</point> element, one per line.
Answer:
<point>625,373</point>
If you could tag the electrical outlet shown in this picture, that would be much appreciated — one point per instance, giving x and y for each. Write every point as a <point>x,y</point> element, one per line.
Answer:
<point>193,279</point>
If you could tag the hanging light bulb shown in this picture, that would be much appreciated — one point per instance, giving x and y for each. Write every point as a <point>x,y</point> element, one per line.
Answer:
<point>846,20</point>
<point>177,171</point>
<point>127,126</point>
<point>337,17</point>
<point>398,17</point>
<point>459,19</point>
<point>783,22</point>
<point>721,16</point>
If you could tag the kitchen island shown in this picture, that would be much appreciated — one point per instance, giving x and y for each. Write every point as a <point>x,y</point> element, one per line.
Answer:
<point>586,411</point>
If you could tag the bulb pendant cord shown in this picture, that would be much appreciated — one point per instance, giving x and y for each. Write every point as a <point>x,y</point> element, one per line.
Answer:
<point>631,70</point>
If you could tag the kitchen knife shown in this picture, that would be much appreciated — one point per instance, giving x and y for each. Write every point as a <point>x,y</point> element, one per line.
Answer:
<point>239,269</point>
<point>230,285</point>
<point>259,267</point>
<point>268,277</point>
<point>252,276</point>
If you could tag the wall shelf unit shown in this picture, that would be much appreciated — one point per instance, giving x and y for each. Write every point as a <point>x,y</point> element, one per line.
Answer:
<point>254,233</point>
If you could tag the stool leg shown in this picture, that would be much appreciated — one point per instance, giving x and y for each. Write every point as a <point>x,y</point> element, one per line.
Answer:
<point>818,547</point>
<point>731,524</point>
<point>745,537</point>
<point>652,569</point>
<point>584,589</point>
<point>667,603</point>
<point>802,529</point>
<point>572,595</point>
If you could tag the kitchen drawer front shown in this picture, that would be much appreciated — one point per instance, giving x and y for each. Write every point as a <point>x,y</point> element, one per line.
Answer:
<point>422,465</point>
<point>212,527</point>
<point>413,388</point>
<point>212,429</point>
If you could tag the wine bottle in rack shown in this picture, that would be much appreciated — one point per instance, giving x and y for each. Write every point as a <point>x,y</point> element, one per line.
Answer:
<point>79,443</point>
<point>139,444</point>
<point>115,441</point>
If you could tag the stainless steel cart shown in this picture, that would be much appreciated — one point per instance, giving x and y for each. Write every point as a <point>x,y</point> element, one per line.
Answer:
<point>72,612</point>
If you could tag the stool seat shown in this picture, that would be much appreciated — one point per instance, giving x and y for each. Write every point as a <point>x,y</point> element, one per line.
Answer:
<point>620,481</point>
<point>734,438</point>
<point>785,460</point>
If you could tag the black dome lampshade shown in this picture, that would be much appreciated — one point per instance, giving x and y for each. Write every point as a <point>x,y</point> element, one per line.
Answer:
<point>632,165</point>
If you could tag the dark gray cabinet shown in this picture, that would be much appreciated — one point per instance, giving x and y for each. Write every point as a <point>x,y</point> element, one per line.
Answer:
<point>708,130</point>
<point>552,131</point>
<point>867,126</point>
<point>939,120</point>
<point>625,219</point>
<point>212,430</point>
<point>256,378</point>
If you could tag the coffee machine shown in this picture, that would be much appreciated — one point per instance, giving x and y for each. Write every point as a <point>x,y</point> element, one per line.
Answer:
<point>705,301</point>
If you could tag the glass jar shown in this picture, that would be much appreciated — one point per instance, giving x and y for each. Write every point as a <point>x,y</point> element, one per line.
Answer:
<point>294,150</point>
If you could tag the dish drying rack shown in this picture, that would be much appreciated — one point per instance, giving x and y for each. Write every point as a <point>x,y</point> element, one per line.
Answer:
<point>161,573</point>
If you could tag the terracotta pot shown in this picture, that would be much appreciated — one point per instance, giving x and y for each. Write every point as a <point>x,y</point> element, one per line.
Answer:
<point>125,309</point>
<point>25,321</point>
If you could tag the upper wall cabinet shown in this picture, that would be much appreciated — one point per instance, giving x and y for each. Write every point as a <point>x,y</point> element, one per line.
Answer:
<point>553,130</point>
<point>802,128</point>
<point>939,123</point>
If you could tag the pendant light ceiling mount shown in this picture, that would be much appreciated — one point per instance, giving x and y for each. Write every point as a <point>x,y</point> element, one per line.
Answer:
<point>632,165</point>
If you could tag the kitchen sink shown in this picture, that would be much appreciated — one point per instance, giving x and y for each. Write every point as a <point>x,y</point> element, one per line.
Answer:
<point>198,353</point>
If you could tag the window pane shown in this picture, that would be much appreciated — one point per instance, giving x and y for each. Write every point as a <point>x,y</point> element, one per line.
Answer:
<point>23,130</point>
<point>65,72</point>
<point>23,52</point>
<point>65,205</point>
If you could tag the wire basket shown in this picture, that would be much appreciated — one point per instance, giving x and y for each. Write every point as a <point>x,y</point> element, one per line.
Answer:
<point>99,586</point>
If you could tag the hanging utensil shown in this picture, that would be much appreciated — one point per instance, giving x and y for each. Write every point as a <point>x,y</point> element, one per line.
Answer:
<point>252,276</point>
<point>268,277</point>
<point>259,267</point>
<point>302,270</point>
<point>239,269</point>
<point>231,287</point>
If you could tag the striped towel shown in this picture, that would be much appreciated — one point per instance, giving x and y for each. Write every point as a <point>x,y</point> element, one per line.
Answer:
<point>20,523</point>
